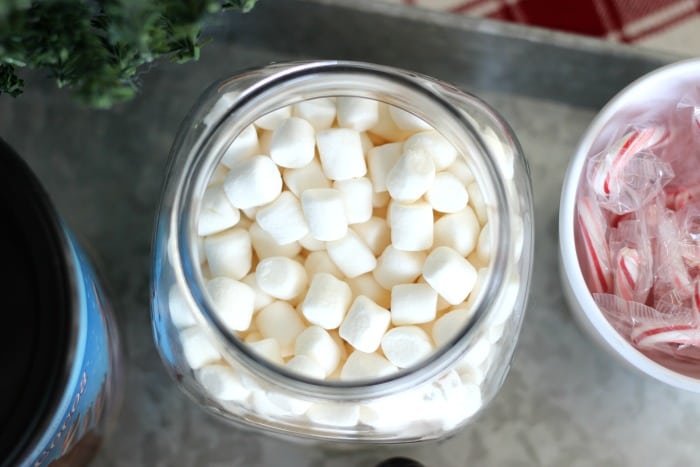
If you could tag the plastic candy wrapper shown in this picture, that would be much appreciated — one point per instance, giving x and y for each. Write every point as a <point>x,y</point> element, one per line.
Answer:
<point>632,266</point>
<point>688,109</point>
<point>688,220</point>
<point>595,257</point>
<point>673,283</point>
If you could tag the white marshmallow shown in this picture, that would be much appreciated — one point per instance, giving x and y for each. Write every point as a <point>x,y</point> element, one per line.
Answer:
<point>306,366</point>
<point>411,176</point>
<point>447,194</point>
<point>242,147</point>
<point>478,352</point>
<point>502,154</point>
<point>293,143</point>
<point>433,143</point>
<point>272,120</point>
<point>352,256</point>
<point>288,402</point>
<point>334,414</point>
<point>405,346</point>
<point>265,245</point>
<point>253,182</point>
<point>483,247</point>
<point>233,302</point>
<point>365,324</point>
<point>281,277</point>
<point>476,290</point>
<point>268,348</point>
<point>368,286</point>
<point>309,176</point>
<point>283,219</point>
<point>216,212</point>
<point>357,113</point>
<point>461,170</point>
<point>281,322</point>
<point>261,298</point>
<point>449,325</point>
<point>375,233</point>
<point>413,304</point>
<point>219,175</point>
<point>327,301</point>
<point>319,112</point>
<point>315,342</point>
<point>229,253</point>
<point>385,127</point>
<point>264,407</point>
<point>381,159</point>
<point>310,243</point>
<point>458,231</point>
<point>324,209</point>
<point>340,150</point>
<point>197,348</point>
<point>366,143</point>
<point>222,383</point>
<point>357,196</point>
<point>398,267</point>
<point>411,226</point>
<point>452,276</point>
<point>319,262</point>
<point>249,213</point>
<point>408,121</point>
<point>476,200</point>
<point>362,365</point>
<point>510,291</point>
<point>180,312</point>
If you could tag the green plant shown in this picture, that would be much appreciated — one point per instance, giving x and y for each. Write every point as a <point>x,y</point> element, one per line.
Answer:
<point>97,48</point>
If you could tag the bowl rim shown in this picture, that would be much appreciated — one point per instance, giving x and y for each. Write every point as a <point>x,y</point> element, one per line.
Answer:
<point>585,304</point>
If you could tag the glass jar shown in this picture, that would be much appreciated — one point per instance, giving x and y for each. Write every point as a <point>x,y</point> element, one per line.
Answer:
<point>428,401</point>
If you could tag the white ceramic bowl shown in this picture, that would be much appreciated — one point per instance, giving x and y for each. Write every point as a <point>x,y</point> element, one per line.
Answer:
<point>668,82</point>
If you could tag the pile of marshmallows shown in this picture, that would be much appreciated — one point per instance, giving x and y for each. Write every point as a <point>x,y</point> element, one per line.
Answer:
<point>342,238</point>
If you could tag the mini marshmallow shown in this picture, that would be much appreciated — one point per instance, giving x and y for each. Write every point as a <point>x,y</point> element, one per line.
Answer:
<point>458,231</point>
<point>216,212</point>
<point>357,113</point>
<point>281,322</point>
<point>180,312</point>
<point>197,348</point>
<point>375,233</point>
<point>502,153</point>
<point>289,402</point>
<point>242,147</point>
<point>357,196</point>
<point>449,325</point>
<point>408,121</point>
<point>319,112</point>
<point>293,143</point>
<point>405,346</point>
<point>413,304</point>
<point>398,267</point>
<point>352,256</point>
<point>461,170</point>
<point>476,200</point>
<point>310,243</point>
<point>452,276</point>
<point>268,348</point>
<point>447,194</point>
<point>434,144</point>
<point>265,245</point>
<point>281,277</point>
<point>483,247</point>
<point>365,324</point>
<point>327,301</point>
<point>250,213</point>
<point>366,143</point>
<point>229,253</point>
<point>340,150</point>
<point>362,365</point>
<point>411,226</point>
<point>319,262</point>
<point>478,352</point>
<point>233,302</point>
<point>510,293</point>
<point>272,120</point>
<point>283,219</point>
<point>315,342</point>
<point>334,414</point>
<point>263,406</point>
<point>385,127</point>
<point>381,159</point>
<point>368,286</point>
<point>411,176</point>
<point>222,383</point>
<point>309,176</point>
<point>253,182</point>
<point>324,209</point>
<point>219,175</point>
<point>305,366</point>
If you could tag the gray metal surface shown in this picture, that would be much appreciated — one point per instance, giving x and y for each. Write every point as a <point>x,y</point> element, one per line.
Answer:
<point>564,403</point>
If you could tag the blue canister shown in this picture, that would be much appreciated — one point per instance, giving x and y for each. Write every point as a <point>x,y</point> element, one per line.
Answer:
<point>59,346</point>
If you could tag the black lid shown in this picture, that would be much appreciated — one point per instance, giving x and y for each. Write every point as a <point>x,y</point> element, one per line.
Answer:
<point>36,295</point>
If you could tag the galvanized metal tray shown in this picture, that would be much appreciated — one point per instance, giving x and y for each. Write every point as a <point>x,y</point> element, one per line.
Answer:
<point>565,402</point>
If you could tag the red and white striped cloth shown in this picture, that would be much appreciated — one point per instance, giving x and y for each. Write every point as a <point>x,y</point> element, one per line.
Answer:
<point>670,25</point>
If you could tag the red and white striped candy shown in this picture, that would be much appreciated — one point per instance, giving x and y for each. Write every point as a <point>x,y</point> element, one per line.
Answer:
<point>672,269</point>
<point>626,272</point>
<point>596,252</point>
<point>607,175</point>
<point>647,336</point>
<point>678,197</point>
